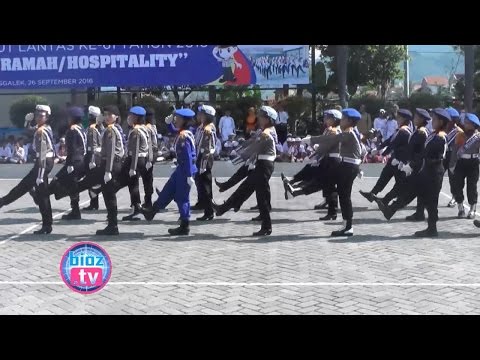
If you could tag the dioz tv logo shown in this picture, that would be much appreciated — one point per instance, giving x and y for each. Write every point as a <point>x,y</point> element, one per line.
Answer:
<point>85,268</point>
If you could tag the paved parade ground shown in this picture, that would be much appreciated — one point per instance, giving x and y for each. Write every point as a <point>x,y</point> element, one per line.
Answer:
<point>221,269</point>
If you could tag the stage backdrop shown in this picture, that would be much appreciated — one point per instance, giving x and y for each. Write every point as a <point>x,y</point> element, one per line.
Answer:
<point>81,66</point>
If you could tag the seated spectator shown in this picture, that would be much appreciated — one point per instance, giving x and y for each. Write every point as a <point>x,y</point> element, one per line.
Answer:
<point>11,143</point>
<point>218,149</point>
<point>5,152</point>
<point>19,154</point>
<point>228,146</point>
<point>61,152</point>
<point>299,152</point>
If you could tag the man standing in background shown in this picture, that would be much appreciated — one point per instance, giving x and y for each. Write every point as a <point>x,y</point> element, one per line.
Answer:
<point>226,126</point>
<point>365,123</point>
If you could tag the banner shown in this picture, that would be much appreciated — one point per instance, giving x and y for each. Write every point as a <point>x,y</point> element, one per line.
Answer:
<point>82,66</point>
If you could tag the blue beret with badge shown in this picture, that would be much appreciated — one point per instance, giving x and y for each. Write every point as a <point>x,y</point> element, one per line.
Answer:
<point>472,118</point>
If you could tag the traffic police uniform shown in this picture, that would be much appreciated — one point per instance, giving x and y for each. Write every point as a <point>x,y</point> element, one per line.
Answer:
<point>205,140</point>
<point>74,168</point>
<point>452,148</point>
<point>427,184</point>
<point>264,150</point>
<point>179,184</point>
<point>37,178</point>
<point>351,153</point>
<point>153,154</point>
<point>464,164</point>
<point>94,148</point>
<point>397,145</point>
<point>139,154</point>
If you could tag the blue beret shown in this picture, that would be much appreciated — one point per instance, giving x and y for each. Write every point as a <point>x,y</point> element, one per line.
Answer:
<point>452,112</point>
<point>76,112</point>
<point>186,113</point>
<point>405,113</point>
<point>352,113</point>
<point>442,113</point>
<point>138,110</point>
<point>473,118</point>
<point>423,113</point>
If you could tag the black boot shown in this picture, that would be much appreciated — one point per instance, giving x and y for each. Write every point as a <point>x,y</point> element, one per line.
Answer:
<point>46,229</point>
<point>415,217</point>
<point>1,202</point>
<point>294,191</point>
<point>386,210</point>
<point>367,195</point>
<point>346,231</point>
<point>221,186</point>
<point>112,228</point>
<point>430,231</point>
<point>93,204</point>
<point>149,213</point>
<point>285,185</point>
<point>321,206</point>
<point>184,229</point>
<point>220,209</point>
<point>206,217</point>
<point>329,217</point>
<point>148,201</point>
<point>132,217</point>
<point>197,207</point>
<point>74,214</point>
<point>476,223</point>
<point>332,207</point>
<point>254,207</point>
<point>258,218</point>
<point>263,232</point>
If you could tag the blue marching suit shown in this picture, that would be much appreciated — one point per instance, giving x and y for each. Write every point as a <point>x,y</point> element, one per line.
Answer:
<point>179,184</point>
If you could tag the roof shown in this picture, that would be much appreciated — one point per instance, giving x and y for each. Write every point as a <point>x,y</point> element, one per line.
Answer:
<point>436,80</point>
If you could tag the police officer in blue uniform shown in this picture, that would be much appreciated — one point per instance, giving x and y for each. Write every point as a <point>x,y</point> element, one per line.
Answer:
<point>178,186</point>
<point>453,130</point>
<point>427,184</point>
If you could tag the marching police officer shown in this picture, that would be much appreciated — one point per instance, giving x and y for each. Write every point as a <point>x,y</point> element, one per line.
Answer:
<point>94,148</point>
<point>178,186</point>
<point>464,165</point>
<point>74,168</point>
<point>453,130</point>
<point>257,180</point>
<point>206,139</point>
<point>37,178</point>
<point>153,154</point>
<point>138,156</point>
<point>397,144</point>
<point>352,152</point>
<point>428,182</point>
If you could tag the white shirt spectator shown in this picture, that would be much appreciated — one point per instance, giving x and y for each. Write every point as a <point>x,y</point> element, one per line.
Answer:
<point>280,148</point>
<point>282,118</point>
<point>5,152</point>
<point>391,127</point>
<point>226,127</point>
<point>218,147</point>
<point>18,156</point>
<point>381,125</point>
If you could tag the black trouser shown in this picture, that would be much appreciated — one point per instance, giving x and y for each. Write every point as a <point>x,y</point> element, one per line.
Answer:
<point>43,195</point>
<point>344,176</point>
<point>124,179</point>
<point>88,158</point>
<point>446,166</point>
<point>239,175</point>
<point>203,182</point>
<point>258,181</point>
<point>388,172</point>
<point>96,177</point>
<point>426,186</point>
<point>307,173</point>
<point>329,187</point>
<point>466,169</point>
<point>133,182</point>
<point>400,181</point>
<point>65,182</point>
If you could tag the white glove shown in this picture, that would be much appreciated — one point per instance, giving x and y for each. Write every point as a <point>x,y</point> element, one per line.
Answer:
<point>400,166</point>
<point>360,175</point>
<point>28,118</point>
<point>132,173</point>
<point>316,146</point>
<point>169,119</point>
<point>70,169</point>
<point>91,165</point>
<point>149,165</point>
<point>307,140</point>
<point>251,166</point>
<point>407,170</point>
<point>39,181</point>
<point>395,162</point>
<point>374,152</point>
<point>107,177</point>
<point>190,181</point>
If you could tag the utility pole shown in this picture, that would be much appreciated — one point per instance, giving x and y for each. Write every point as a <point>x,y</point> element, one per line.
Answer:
<point>342,60</point>
<point>469,74</point>
<point>406,84</point>
<point>314,89</point>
